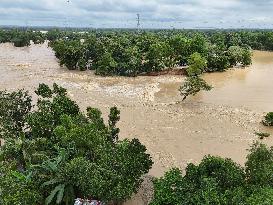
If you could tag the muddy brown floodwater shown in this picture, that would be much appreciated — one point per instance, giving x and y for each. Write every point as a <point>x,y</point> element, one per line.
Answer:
<point>220,122</point>
<point>251,87</point>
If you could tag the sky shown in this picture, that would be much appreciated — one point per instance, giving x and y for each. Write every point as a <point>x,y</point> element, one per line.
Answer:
<point>153,13</point>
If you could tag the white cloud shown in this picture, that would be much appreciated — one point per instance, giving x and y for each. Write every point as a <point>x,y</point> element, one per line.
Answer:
<point>154,13</point>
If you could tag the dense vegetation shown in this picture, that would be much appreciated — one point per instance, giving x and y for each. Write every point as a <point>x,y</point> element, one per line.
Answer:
<point>21,38</point>
<point>54,153</point>
<point>126,52</point>
<point>220,181</point>
<point>131,54</point>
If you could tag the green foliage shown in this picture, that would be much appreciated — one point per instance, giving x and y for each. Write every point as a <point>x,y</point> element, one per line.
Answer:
<point>217,58</point>
<point>21,38</point>
<point>167,188</point>
<point>17,188</point>
<point>14,108</point>
<point>262,135</point>
<point>71,54</point>
<point>238,55</point>
<point>21,41</point>
<point>57,153</point>
<point>263,196</point>
<point>192,86</point>
<point>219,181</point>
<point>106,65</point>
<point>53,35</point>
<point>197,65</point>
<point>130,54</point>
<point>259,165</point>
<point>268,119</point>
<point>246,57</point>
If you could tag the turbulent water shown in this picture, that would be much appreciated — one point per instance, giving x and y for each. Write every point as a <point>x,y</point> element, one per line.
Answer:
<point>251,87</point>
<point>220,122</point>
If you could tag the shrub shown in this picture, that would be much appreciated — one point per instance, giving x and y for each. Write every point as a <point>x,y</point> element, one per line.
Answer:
<point>262,135</point>
<point>21,40</point>
<point>268,119</point>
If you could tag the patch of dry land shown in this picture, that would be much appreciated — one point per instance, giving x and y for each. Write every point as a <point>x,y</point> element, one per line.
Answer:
<point>175,133</point>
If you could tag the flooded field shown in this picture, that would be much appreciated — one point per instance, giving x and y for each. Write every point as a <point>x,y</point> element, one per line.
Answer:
<point>221,122</point>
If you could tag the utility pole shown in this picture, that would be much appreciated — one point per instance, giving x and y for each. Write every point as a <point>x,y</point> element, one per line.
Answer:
<point>138,23</point>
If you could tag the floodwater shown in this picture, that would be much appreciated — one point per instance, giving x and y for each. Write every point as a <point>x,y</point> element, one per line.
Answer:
<point>220,122</point>
<point>251,87</point>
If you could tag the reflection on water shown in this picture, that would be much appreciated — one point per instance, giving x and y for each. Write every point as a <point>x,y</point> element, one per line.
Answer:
<point>250,87</point>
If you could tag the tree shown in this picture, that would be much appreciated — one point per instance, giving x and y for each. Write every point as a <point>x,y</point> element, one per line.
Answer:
<point>246,57</point>
<point>197,65</point>
<point>14,108</point>
<point>239,55</point>
<point>106,65</point>
<point>198,44</point>
<point>167,188</point>
<point>217,59</point>
<point>219,181</point>
<point>154,58</point>
<point>259,165</point>
<point>193,83</point>
<point>53,34</point>
<point>263,196</point>
<point>17,188</point>
<point>181,46</point>
<point>21,40</point>
<point>60,153</point>
<point>235,55</point>
<point>192,86</point>
<point>205,183</point>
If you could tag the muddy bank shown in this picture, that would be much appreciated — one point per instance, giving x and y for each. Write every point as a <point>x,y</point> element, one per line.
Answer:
<point>221,122</point>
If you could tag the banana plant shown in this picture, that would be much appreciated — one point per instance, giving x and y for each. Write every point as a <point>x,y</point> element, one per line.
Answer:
<point>62,192</point>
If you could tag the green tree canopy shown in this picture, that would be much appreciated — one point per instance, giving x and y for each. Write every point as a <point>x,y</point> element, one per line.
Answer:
<point>54,153</point>
<point>219,181</point>
<point>192,86</point>
<point>197,64</point>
